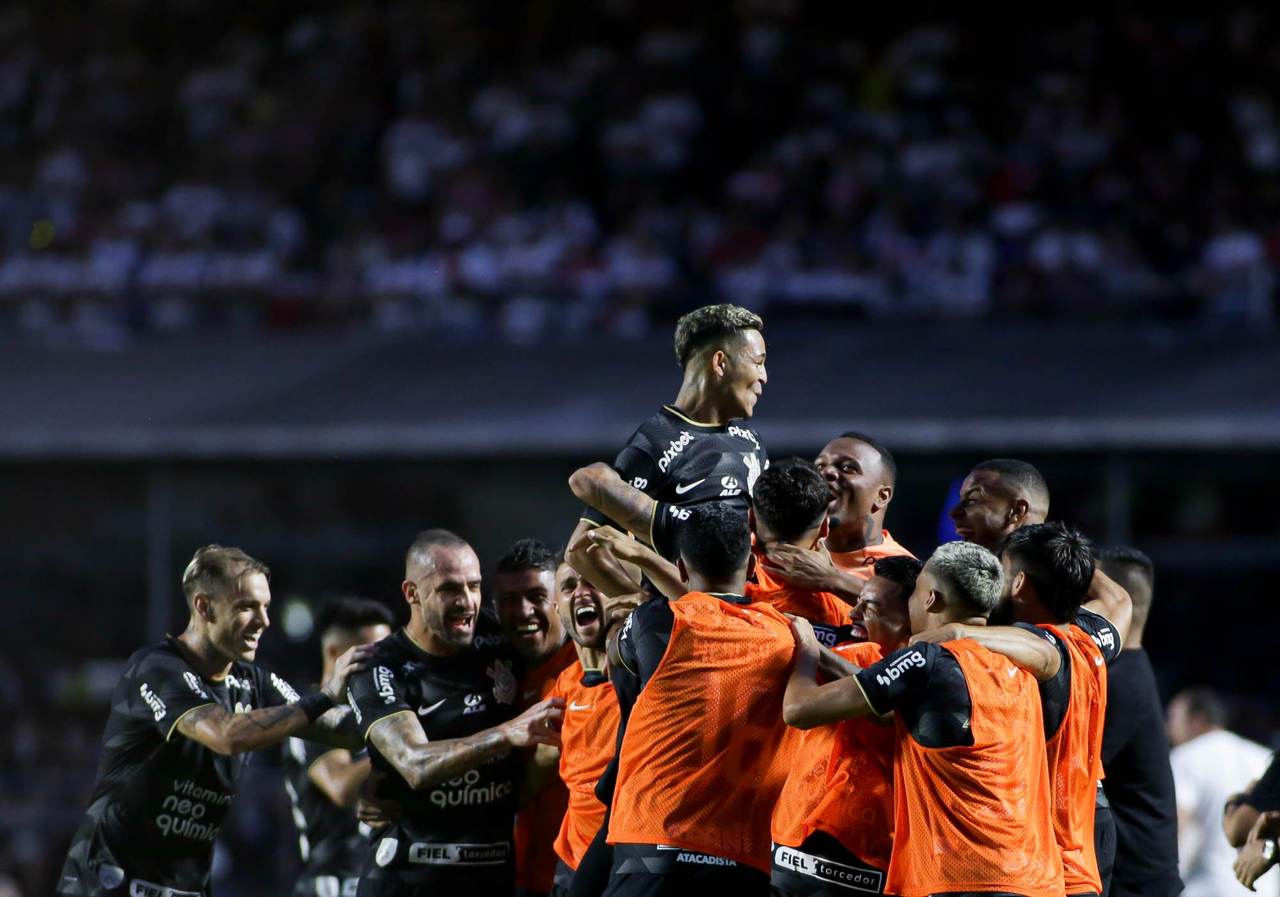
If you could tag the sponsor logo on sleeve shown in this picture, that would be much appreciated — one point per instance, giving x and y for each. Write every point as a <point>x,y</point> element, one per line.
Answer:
<point>284,689</point>
<point>193,683</point>
<point>639,483</point>
<point>355,708</point>
<point>158,710</point>
<point>893,672</point>
<point>679,513</point>
<point>382,682</point>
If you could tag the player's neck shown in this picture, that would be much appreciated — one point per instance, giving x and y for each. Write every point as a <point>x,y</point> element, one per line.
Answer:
<point>697,403</point>
<point>717,586</point>
<point>857,538</point>
<point>201,653</point>
<point>592,660</point>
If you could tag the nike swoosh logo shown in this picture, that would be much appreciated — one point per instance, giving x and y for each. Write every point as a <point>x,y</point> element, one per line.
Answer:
<point>681,490</point>
<point>423,711</point>
<point>576,706</point>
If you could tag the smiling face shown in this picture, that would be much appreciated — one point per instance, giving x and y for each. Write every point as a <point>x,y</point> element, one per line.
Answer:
<point>880,615</point>
<point>526,605</point>
<point>237,618</point>
<point>987,510</point>
<point>744,374</point>
<point>860,488</point>
<point>580,607</point>
<point>446,595</point>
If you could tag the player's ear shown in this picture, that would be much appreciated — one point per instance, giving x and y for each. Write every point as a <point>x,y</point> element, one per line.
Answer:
<point>1020,586</point>
<point>825,529</point>
<point>933,602</point>
<point>1018,511</point>
<point>410,591</point>
<point>719,362</point>
<point>201,606</point>
<point>883,496</point>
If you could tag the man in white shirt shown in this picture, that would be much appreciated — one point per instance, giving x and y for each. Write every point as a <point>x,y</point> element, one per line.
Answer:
<point>1209,765</point>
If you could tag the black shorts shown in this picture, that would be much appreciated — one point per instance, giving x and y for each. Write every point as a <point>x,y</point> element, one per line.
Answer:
<point>1104,844</point>
<point>648,871</point>
<point>822,867</point>
<point>564,878</point>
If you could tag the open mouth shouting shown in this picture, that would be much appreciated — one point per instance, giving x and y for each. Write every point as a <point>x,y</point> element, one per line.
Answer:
<point>459,621</point>
<point>586,618</point>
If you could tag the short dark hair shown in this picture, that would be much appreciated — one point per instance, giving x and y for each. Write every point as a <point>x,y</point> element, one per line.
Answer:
<point>1058,560</point>
<point>711,325</point>
<point>902,570</point>
<point>1206,704</point>
<point>351,613</point>
<point>428,539</point>
<point>715,541</point>
<point>790,497</point>
<point>886,456</point>
<point>214,569</point>
<point>1022,476</point>
<point>527,554</point>
<point>1133,570</point>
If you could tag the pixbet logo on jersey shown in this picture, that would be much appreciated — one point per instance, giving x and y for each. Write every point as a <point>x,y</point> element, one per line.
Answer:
<point>676,447</point>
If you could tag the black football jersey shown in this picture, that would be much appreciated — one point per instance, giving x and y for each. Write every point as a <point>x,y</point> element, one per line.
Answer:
<point>679,462</point>
<point>161,798</point>
<point>462,828</point>
<point>331,841</point>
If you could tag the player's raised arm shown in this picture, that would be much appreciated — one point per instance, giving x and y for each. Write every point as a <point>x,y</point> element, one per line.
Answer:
<point>806,703</point>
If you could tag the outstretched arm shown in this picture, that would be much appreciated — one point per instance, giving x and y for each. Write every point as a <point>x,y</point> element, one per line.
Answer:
<point>422,763</point>
<point>1109,599</point>
<point>661,572</point>
<point>339,777</point>
<point>1026,649</point>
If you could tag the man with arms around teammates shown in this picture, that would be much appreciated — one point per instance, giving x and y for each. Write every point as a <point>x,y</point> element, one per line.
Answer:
<point>972,801</point>
<point>185,712</point>
<point>439,716</point>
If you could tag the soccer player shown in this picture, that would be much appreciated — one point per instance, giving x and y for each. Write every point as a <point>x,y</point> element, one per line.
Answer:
<point>1135,751</point>
<point>833,823</point>
<point>439,716</point>
<point>524,595</point>
<point>972,800</point>
<point>696,782</point>
<point>790,510</point>
<point>996,498</point>
<point>589,731</point>
<point>1048,574</point>
<point>862,475</point>
<point>324,783</point>
<point>698,448</point>
<point>184,712</point>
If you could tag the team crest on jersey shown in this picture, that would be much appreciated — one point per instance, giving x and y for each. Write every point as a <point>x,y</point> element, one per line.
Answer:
<point>110,877</point>
<point>386,851</point>
<point>504,681</point>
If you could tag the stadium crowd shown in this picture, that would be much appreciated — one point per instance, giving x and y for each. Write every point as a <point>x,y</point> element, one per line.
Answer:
<point>481,168</point>
<point>733,680</point>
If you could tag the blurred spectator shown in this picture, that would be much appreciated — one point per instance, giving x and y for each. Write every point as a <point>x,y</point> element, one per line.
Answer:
<point>1209,765</point>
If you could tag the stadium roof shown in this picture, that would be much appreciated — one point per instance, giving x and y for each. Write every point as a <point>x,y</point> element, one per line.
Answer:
<point>926,387</point>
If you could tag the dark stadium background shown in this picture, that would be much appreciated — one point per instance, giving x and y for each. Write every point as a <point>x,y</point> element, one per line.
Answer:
<point>307,282</point>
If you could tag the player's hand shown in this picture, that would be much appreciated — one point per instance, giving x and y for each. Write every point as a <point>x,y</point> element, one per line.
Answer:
<point>352,661</point>
<point>806,641</point>
<point>540,724</point>
<point>1253,860</point>
<point>623,546</point>
<point>948,633</point>
<point>619,607</point>
<point>802,568</point>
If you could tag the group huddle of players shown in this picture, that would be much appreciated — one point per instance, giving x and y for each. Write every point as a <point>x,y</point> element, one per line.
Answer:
<point>732,681</point>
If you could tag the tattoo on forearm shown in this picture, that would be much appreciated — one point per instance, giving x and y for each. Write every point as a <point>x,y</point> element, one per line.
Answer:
<point>401,741</point>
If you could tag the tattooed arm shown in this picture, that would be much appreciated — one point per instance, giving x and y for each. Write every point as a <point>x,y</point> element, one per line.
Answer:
<point>422,763</point>
<point>224,732</point>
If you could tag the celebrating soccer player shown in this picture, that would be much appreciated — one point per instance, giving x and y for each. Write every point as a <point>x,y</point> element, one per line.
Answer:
<point>862,475</point>
<point>184,713</point>
<point>439,716</point>
<point>704,675</point>
<point>324,783</point>
<point>695,450</point>
<point>996,498</point>
<point>972,800</point>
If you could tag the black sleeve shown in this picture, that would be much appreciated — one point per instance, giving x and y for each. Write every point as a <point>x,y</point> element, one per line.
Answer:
<point>1265,795</point>
<point>375,693</point>
<point>1103,633</point>
<point>165,689</point>
<point>273,691</point>
<point>899,680</point>
<point>1055,695</point>
<point>636,466</point>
